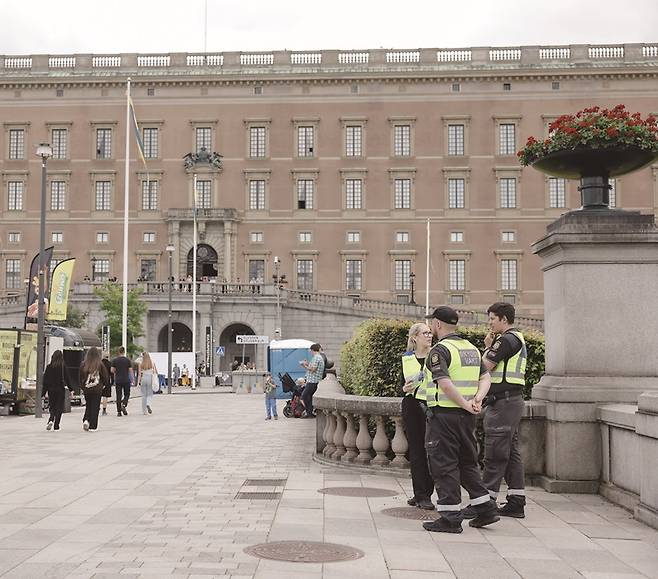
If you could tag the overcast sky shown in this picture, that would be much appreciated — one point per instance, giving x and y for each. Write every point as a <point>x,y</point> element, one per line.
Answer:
<point>113,26</point>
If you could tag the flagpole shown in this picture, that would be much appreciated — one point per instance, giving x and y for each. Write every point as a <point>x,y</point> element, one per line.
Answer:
<point>427,272</point>
<point>194,238</point>
<point>126,185</point>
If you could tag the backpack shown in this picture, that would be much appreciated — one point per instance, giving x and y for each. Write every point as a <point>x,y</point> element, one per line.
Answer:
<point>93,380</point>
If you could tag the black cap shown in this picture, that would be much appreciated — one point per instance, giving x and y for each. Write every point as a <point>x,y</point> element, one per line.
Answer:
<point>445,314</point>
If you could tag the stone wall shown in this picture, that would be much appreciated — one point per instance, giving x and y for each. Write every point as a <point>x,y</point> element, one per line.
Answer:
<point>629,444</point>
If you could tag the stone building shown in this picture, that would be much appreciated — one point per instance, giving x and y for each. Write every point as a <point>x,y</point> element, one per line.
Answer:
<point>334,161</point>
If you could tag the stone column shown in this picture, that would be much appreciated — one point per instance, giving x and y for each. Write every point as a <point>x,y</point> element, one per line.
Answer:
<point>228,227</point>
<point>600,279</point>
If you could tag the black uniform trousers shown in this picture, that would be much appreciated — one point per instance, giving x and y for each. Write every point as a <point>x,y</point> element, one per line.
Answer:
<point>413,415</point>
<point>452,455</point>
<point>502,449</point>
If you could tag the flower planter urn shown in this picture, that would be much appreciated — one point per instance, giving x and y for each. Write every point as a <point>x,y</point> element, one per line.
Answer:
<point>594,167</point>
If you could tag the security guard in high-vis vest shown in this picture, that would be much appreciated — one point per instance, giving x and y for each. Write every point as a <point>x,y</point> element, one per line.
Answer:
<point>415,379</point>
<point>505,357</point>
<point>460,383</point>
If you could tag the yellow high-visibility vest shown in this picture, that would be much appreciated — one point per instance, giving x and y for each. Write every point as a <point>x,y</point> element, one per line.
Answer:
<point>512,370</point>
<point>464,372</point>
<point>410,369</point>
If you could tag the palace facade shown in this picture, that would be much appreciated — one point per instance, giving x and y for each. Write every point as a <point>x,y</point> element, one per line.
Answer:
<point>333,161</point>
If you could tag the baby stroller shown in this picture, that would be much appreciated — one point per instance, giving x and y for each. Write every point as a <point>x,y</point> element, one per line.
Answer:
<point>294,407</point>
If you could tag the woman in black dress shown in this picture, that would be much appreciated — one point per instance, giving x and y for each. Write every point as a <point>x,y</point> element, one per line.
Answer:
<point>93,378</point>
<point>54,386</point>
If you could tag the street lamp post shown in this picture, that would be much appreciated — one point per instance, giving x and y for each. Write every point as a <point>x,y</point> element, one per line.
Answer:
<point>45,152</point>
<point>412,278</point>
<point>93,269</point>
<point>170,252</point>
<point>279,280</point>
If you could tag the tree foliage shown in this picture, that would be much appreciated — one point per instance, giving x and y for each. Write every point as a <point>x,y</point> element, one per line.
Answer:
<point>370,361</point>
<point>75,318</point>
<point>111,296</point>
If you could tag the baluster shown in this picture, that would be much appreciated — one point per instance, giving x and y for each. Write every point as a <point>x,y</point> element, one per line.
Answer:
<point>363,441</point>
<point>325,430</point>
<point>339,435</point>
<point>399,444</point>
<point>380,444</point>
<point>349,440</point>
<point>331,447</point>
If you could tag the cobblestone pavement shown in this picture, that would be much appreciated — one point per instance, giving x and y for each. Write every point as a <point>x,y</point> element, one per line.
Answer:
<point>154,496</point>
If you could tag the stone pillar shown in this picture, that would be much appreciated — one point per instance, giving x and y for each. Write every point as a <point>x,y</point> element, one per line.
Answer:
<point>228,227</point>
<point>600,279</point>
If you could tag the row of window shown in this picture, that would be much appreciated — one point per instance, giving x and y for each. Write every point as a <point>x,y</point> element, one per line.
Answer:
<point>305,271</point>
<point>57,237</point>
<point>401,237</point>
<point>304,195</point>
<point>257,237</point>
<point>402,140</point>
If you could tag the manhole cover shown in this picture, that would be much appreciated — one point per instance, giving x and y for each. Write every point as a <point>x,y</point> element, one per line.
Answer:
<point>358,492</point>
<point>304,552</point>
<point>411,513</point>
<point>258,496</point>
<point>265,482</point>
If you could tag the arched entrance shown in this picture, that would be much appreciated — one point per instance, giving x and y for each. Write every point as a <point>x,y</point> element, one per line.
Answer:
<point>181,338</point>
<point>233,351</point>
<point>206,261</point>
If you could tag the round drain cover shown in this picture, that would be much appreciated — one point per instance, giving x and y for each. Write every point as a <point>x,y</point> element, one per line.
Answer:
<point>358,492</point>
<point>304,552</point>
<point>411,513</point>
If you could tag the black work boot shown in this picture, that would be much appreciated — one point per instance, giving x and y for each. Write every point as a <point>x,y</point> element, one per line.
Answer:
<point>486,515</point>
<point>469,512</point>
<point>425,504</point>
<point>441,525</point>
<point>514,507</point>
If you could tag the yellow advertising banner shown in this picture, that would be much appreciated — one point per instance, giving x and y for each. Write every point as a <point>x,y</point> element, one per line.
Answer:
<point>59,290</point>
<point>8,339</point>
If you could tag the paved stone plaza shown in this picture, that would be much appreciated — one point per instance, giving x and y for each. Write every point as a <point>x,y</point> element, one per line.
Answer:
<point>153,496</point>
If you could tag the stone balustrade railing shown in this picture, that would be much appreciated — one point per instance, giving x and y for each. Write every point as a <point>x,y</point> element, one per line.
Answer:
<point>368,432</point>
<point>463,59</point>
<point>12,299</point>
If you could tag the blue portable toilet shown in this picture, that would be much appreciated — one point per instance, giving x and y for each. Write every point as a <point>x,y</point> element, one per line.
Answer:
<point>285,356</point>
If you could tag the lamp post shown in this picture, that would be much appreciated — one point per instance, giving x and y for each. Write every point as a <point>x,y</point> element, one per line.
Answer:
<point>93,269</point>
<point>278,280</point>
<point>170,252</point>
<point>412,278</point>
<point>45,152</point>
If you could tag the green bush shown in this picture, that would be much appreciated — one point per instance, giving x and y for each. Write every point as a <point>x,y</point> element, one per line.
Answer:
<point>370,361</point>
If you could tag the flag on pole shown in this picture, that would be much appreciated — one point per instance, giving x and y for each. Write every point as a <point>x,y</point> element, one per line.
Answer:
<point>59,290</point>
<point>32,305</point>
<point>138,135</point>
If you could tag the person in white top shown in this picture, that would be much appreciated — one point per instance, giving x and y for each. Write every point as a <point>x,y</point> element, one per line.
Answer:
<point>147,373</point>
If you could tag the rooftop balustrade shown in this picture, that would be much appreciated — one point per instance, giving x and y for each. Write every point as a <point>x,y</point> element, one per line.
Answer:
<point>304,62</point>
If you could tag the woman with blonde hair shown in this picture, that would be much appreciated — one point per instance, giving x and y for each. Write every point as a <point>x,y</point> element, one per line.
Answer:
<point>146,374</point>
<point>415,378</point>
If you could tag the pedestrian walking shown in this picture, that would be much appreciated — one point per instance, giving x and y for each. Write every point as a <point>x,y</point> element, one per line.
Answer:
<point>93,378</point>
<point>314,373</point>
<point>146,374</point>
<point>107,390</point>
<point>270,398</point>
<point>55,386</point>
<point>122,370</point>
<point>415,379</point>
<point>176,374</point>
<point>506,358</point>
<point>460,382</point>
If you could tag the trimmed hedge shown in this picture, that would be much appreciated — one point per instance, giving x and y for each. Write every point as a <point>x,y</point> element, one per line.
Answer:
<point>370,361</point>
